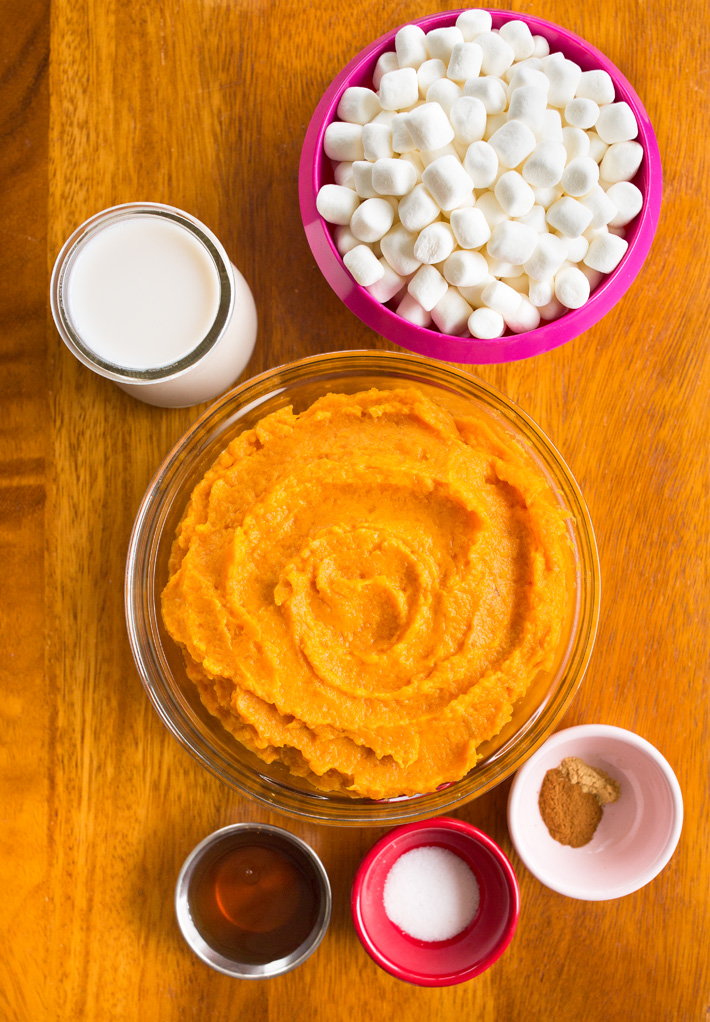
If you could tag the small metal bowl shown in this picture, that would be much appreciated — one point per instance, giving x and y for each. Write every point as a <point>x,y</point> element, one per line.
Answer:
<point>206,855</point>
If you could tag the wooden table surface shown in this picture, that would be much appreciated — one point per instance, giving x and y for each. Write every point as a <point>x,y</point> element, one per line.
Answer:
<point>203,105</point>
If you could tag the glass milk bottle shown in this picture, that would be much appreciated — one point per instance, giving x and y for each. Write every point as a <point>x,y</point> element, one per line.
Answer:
<point>145,295</point>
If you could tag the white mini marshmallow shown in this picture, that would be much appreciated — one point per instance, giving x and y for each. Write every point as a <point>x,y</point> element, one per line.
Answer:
<point>567,215</point>
<point>383,117</point>
<point>576,248</point>
<point>435,243</point>
<point>427,286</point>
<point>464,62</point>
<point>627,199</point>
<point>385,63</point>
<point>495,121</point>
<point>376,141</point>
<point>523,74</point>
<point>526,317</point>
<point>441,41</point>
<point>512,242</point>
<point>470,227</point>
<point>575,141</point>
<point>551,130</point>
<point>497,54</point>
<point>545,164</point>
<point>491,92</point>
<point>580,176</point>
<point>582,113</point>
<point>481,164</point>
<point>519,284</point>
<point>468,119</point>
<point>553,310</point>
<point>514,194</point>
<point>617,123</point>
<point>417,210</point>
<point>384,289</point>
<point>345,240</point>
<point>402,141</point>
<point>542,47</point>
<point>513,142</point>
<point>546,196</point>
<point>451,313</point>
<point>343,174</point>
<point>465,269</point>
<point>364,265</point>
<point>410,46</point>
<point>564,78</point>
<point>447,181</point>
<point>597,146</point>
<point>486,324</point>
<point>358,105</point>
<point>416,161</point>
<point>602,207</point>
<point>445,93</point>
<point>399,89</point>
<point>540,292</point>
<point>336,203</point>
<point>394,177</point>
<point>549,254</point>
<point>343,141</point>
<point>398,249</point>
<point>473,294</point>
<point>621,161</point>
<point>596,85</point>
<point>491,209</point>
<point>428,73</point>
<point>410,309</point>
<point>528,104</point>
<point>593,276</point>
<point>519,37</point>
<point>605,252</point>
<point>372,219</point>
<point>474,23</point>
<point>429,127</point>
<point>501,297</point>
<point>428,156</point>
<point>362,179</point>
<point>571,287</point>
<point>535,218</point>
<point>501,270</point>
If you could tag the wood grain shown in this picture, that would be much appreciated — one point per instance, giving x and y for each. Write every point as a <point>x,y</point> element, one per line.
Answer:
<point>204,105</point>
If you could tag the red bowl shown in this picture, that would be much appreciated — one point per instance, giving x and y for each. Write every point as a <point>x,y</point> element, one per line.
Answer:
<point>469,953</point>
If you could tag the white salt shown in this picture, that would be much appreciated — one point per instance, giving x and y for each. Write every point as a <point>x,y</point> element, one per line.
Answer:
<point>431,894</point>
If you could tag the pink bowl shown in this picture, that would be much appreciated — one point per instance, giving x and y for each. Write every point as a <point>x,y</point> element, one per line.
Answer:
<point>441,963</point>
<point>315,170</point>
<point>637,834</point>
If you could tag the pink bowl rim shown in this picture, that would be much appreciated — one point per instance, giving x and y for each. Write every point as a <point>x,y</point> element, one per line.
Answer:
<point>470,831</point>
<point>445,347</point>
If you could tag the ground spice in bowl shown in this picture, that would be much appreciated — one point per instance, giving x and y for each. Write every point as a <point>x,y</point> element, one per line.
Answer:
<point>572,798</point>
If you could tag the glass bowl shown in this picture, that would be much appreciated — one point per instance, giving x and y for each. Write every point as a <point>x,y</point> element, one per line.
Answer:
<point>316,170</point>
<point>160,661</point>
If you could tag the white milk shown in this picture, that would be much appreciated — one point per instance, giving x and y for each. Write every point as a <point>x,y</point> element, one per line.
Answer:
<point>142,293</point>
<point>145,295</point>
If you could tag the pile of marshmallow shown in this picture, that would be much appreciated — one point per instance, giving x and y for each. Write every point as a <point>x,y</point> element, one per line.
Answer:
<point>484,183</point>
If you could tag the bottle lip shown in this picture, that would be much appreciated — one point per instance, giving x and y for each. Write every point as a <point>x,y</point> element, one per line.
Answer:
<point>99,222</point>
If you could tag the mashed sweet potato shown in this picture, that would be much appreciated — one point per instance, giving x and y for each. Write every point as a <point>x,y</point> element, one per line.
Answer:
<point>362,591</point>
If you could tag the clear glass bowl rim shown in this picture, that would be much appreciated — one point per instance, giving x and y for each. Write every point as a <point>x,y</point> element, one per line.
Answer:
<point>141,605</point>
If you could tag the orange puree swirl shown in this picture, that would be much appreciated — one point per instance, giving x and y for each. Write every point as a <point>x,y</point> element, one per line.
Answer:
<point>364,590</point>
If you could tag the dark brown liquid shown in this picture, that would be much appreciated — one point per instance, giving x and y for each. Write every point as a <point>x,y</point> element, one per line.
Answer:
<point>255,902</point>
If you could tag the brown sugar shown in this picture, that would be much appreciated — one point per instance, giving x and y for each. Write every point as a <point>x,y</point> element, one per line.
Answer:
<point>590,779</point>
<point>571,800</point>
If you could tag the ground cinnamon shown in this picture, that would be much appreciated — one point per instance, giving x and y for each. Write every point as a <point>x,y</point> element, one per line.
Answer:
<point>571,800</point>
